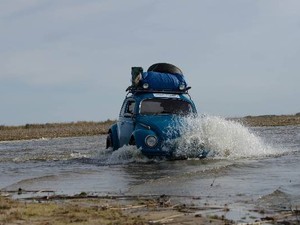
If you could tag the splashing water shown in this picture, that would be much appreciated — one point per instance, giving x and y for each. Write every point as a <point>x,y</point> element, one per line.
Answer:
<point>221,137</point>
<point>124,155</point>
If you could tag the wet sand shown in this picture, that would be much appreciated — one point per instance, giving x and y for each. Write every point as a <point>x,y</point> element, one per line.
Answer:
<point>84,209</point>
<point>101,210</point>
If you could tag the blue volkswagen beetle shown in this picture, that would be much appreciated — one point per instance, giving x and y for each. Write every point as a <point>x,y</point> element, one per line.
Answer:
<point>155,101</point>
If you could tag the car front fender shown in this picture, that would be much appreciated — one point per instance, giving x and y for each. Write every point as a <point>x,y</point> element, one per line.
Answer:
<point>114,131</point>
<point>140,136</point>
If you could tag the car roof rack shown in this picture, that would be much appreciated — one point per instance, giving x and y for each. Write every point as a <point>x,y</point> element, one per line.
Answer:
<point>134,90</point>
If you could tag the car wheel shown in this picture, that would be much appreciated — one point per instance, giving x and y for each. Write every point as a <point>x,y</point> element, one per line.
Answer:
<point>165,68</point>
<point>132,141</point>
<point>109,141</point>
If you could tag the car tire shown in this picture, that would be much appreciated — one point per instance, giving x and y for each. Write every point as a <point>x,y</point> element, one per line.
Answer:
<point>109,141</point>
<point>132,141</point>
<point>165,68</point>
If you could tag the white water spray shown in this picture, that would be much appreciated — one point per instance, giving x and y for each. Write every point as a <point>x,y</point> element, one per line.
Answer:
<point>223,138</point>
<point>124,155</point>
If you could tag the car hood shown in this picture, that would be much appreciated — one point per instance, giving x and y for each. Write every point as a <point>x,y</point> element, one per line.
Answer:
<point>166,126</point>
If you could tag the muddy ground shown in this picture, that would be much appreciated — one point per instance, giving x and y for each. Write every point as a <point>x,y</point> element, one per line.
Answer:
<point>84,209</point>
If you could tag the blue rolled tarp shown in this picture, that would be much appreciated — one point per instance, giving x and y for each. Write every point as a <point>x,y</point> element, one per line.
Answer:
<point>162,81</point>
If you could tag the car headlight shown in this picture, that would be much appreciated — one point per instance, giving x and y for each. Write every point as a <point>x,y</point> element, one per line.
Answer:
<point>182,87</point>
<point>151,141</point>
<point>145,85</point>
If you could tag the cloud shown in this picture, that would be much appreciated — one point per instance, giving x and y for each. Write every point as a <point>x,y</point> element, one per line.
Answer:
<point>42,66</point>
<point>9,9</point>
<point>55,42</point>
<point>78,51</point>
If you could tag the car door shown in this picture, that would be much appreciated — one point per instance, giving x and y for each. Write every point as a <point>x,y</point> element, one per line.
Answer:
<point>126,121</point>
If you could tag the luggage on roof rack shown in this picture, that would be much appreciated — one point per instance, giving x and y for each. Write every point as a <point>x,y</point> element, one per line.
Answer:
<point>160,77</point>
<point>165,68</point>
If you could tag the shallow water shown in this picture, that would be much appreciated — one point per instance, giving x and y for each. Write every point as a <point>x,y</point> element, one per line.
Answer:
<point>247,168</point>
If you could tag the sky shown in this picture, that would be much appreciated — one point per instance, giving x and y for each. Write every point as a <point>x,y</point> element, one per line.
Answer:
<point>70,60</point>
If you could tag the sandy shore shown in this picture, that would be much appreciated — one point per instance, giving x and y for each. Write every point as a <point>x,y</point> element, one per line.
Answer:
<point>53,130</point>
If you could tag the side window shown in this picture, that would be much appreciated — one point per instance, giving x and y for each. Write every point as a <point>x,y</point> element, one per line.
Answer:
<point>130,107</point>
<point>127,108</point>
<point>123,108</point>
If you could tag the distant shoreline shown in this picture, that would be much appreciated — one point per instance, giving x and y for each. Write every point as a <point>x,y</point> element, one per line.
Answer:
<point>53,130</point>
<point>83,128</point>
<point>269,120</point>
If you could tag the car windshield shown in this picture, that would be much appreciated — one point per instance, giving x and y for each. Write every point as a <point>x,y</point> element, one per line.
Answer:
<point>165,106</point>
